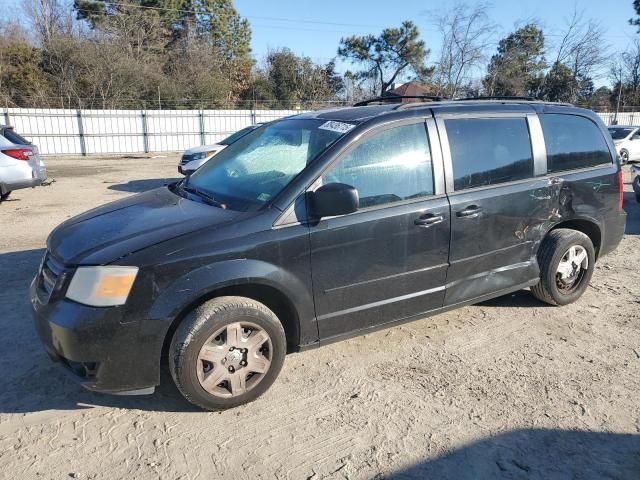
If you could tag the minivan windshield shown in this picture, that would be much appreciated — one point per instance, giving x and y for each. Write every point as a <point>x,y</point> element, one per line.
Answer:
<point>236,136</point>
<point>257,167</point>
<point>618,133</point>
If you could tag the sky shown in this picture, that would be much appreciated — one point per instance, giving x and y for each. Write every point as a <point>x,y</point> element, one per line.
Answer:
<point>314,27</point>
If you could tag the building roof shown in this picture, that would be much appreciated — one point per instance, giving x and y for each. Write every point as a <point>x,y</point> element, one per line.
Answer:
<point>410,89</point>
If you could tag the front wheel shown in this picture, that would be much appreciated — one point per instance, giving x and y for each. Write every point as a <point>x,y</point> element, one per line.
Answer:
<point>567,260</point>
<point>4,196</point>
<point>227,352</point>
<point>624,156</point>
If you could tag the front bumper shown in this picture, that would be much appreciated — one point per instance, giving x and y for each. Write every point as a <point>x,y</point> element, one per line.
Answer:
<point>105,353</point>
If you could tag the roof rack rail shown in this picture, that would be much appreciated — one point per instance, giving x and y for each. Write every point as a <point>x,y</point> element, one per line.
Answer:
<point>499,97</point>
<point>431,98</point>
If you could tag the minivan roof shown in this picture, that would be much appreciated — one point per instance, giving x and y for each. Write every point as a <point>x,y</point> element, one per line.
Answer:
<point>364,113</point>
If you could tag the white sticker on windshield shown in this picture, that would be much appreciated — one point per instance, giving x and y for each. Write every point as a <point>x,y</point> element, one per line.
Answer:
<point>334,126</point>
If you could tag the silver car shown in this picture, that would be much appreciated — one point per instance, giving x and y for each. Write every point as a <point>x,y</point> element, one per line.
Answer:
<point>195,157</point>
<point>20,164</point>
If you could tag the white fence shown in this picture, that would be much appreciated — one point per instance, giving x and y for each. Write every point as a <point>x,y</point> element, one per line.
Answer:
<point>623,118</point>
<point>85,132</point>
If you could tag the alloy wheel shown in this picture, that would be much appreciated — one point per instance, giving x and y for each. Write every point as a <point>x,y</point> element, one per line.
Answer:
<point>573,264</point>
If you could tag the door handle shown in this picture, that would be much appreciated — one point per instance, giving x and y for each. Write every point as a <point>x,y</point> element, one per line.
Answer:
<point>428,220</point>
<point>555,180</point>
<point>472,211</point>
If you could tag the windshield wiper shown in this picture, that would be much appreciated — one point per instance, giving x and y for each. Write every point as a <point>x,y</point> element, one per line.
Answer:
<point>205,196</point>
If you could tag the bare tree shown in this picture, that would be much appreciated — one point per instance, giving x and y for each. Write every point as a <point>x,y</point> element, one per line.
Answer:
<point>581,49</point>
<point>48,18</point>
<point>467,34</point>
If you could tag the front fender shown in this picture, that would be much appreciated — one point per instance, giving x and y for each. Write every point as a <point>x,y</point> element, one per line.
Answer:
<point>193,286</point>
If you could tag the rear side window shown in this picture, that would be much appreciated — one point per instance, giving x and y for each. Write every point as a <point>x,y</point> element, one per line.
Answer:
<point>390,166</point>
<point>13,137</point>
<point>488,151</point>
<point>573,142</point>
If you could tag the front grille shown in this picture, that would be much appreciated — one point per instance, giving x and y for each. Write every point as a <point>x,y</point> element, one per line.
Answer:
<point>50,274</point>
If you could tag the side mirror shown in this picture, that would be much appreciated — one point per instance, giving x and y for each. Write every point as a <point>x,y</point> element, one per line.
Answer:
<point>333,199</point>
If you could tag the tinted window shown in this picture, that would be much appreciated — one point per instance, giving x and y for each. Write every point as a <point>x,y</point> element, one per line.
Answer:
<point>486,151</point>
<point>573,142</point>
<point>13,137</point>
<point>390,166</point>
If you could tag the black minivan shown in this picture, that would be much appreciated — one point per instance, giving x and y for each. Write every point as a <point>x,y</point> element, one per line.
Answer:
<point>322,226</point>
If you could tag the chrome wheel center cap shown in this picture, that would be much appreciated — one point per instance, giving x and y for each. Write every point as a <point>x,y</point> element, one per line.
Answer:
<point>233,359</point>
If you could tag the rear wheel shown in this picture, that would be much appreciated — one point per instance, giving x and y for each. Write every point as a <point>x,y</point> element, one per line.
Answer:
<point>227,352</point>
<point>4,196</point>
<point>567,260</point>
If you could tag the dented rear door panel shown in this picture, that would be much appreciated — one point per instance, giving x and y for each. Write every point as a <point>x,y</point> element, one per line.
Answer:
<point>496,249</point>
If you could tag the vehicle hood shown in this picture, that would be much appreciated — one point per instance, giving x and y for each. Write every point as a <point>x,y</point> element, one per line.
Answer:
<point>112,231</point>
<point>216,147</point>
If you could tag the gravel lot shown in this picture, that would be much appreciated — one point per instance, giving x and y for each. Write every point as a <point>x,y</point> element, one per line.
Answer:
<point>510,388</point>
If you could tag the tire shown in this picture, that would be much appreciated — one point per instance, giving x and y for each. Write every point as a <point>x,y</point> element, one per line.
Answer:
<point>4,196</point>
<point>211,382</point>
<point>638,197</point>
<point>552,288</point>
<point>624,156</point>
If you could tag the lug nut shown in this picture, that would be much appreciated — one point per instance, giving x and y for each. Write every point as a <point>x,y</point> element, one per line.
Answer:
<point>243,363</point>
<point>231,369</point>
<point>231,349</point>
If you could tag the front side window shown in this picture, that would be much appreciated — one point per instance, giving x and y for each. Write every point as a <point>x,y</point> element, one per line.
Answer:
<point>255,168</point>
<point>488,151</point>
<point>390,166</point>
<point>573,142</point>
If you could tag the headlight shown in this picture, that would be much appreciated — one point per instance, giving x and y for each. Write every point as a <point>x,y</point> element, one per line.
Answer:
<point>202,155</point>
<point>102,286</point>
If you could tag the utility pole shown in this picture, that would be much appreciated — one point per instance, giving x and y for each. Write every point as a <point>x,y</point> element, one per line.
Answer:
<point>615,117</point>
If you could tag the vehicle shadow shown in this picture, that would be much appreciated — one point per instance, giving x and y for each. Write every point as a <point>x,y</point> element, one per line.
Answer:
<point>138,186</point>
<point>632,207</point>
<point>518,299</point>
<point>535,453</point>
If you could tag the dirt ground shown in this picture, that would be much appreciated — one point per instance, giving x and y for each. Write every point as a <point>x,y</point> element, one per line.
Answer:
<point>510,388</point>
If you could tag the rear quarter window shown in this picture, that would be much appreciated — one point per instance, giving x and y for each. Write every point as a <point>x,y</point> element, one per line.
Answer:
<point>573,142</point>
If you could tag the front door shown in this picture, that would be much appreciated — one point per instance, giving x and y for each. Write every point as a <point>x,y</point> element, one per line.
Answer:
<point>498,206</point>
<point>388,260</point>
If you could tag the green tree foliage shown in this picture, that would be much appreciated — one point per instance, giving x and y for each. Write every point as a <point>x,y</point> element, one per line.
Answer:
<point>636,7</point>
<point>517,69</point>
<point>21,78</point>
<point>292,81</point>
<point>559,84</point>
<point>385,57</point>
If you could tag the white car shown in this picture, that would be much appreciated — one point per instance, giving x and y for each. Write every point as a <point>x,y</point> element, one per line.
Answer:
<point>195,157</point>
<point>20,164</point>
<point>627,141</point>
